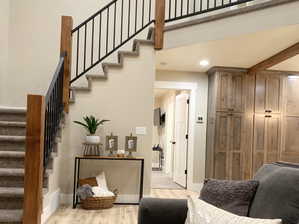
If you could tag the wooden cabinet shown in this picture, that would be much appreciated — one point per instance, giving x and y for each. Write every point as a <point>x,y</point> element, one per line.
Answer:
<point>267,139</point>
<point>230,92</point>
<point>268,92</point>
<point>252,120</point>
<point>290,136</point>
<point>228,125</point>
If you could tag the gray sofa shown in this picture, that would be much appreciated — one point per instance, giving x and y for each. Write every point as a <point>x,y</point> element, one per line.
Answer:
<point>277,197</point>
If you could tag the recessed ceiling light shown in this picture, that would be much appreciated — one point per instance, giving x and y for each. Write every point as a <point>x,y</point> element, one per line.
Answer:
<point>204,63</point>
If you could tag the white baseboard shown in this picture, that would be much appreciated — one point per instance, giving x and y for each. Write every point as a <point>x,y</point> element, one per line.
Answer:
<point>195,187</point>
<point>67,199</point>
<point>53,204</point>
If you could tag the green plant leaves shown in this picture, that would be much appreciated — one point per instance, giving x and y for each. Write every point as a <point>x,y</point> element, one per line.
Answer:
<point>91,123</point>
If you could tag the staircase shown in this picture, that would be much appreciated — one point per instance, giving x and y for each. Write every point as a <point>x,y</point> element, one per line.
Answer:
<point>12,155</point>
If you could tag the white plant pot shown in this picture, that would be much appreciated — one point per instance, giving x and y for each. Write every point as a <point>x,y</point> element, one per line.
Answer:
<point>93,139</point>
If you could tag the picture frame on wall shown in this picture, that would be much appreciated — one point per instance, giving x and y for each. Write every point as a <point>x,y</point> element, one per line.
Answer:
<point>131,144</point>
<point>111,143</point>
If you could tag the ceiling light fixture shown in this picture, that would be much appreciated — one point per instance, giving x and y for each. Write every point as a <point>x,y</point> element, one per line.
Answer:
<point>204,63</point>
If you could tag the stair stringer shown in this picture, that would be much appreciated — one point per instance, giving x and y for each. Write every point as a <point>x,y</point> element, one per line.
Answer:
<point>121,56</point>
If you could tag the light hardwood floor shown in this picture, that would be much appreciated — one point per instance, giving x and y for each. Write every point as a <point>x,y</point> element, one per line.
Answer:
<point>119,214</point>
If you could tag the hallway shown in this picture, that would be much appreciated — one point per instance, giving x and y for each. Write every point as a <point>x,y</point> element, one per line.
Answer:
<point>161,181</point>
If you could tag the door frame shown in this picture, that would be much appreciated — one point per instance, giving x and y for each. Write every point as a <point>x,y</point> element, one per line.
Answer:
<point>192,87</point>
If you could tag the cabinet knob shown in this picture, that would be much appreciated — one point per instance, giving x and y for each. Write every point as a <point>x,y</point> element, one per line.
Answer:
<point>268,111</point>
<point>268,116</point>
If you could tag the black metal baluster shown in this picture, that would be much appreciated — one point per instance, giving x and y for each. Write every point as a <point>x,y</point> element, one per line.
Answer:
<point>129,15</point>
<point>182,4</point>
<point>100,36</point>
<point>208,4</point>
<point>194,5</point>
<point>222,2</point>
<point>85,37</point>
<point>107,32</point>
<point>142,13</point>
<point>77,63</point>
<point>92,40</point>
<point>122,18</point>
<point>188,4</point>
<point>114,25</point>
<point>175,8</point>
<point>201,5</point>
<point>136,14</point>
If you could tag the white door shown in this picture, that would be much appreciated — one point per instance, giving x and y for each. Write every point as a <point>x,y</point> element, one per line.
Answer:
<point>180,138</point>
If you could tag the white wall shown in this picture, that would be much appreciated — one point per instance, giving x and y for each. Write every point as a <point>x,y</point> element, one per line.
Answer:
<point>4,26</point>
<point>201,98</point>
<point>126,99</point>
<point>35,43</point>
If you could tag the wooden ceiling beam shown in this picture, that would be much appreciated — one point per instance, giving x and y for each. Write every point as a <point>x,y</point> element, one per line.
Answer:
<point>276,59</point>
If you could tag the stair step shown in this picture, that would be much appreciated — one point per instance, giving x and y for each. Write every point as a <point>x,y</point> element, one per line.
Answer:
<point>12,143</point>
<point>12,159</point>
<point>14,128</point>
<point>11,198</point>
<point>11,216</point>
<point>12,177</point>
<point>12,114</point>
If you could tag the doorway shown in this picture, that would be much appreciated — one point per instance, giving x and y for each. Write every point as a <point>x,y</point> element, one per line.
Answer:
<point>170,138</point>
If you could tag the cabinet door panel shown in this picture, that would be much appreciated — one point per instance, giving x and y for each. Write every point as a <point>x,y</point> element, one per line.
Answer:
<point>273,135</point>
<point>259,141</point>
<point>290,145</point>
<point>236,166</point>
<point>224,92</point>
<point>221,156</point>
<point>220,165</point>
<point>268,92</point>
<point>237,96</point>
<point>236,131</point>
<point>274,85</point>
<point>260,93</point>
<point>292,95</point>
<point>222,132</point>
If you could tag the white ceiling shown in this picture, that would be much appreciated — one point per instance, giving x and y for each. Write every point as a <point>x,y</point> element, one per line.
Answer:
<point>241,51</point>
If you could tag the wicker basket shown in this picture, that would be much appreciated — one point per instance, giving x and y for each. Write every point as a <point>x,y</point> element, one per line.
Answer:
<point>96,203</point>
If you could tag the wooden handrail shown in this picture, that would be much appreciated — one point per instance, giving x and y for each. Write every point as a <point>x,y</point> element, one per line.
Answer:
<point>33,180</point>
<point>159,24</point>
<point>66,49</point>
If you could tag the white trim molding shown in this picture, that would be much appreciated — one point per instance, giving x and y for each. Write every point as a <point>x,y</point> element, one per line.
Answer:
<point>192,86</point>
<point>52,204</point>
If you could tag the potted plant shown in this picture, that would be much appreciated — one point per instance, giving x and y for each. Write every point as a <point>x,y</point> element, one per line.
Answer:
<point>91,124</point>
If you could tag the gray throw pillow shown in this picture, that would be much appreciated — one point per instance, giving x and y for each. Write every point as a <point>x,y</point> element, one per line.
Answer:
<point>278,193</point>
<point>232,196</point>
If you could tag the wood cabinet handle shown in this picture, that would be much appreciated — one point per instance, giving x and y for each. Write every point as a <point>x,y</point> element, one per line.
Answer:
<point>268,111</point>
<point>268,116</point>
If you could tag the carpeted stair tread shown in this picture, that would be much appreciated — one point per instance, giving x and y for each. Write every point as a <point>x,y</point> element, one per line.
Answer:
<point>10,216</point>
<point>6,138</point>
<point>12,124</point>
<point>12,154</point>
<point>12,192</point>
<point>11,172</point>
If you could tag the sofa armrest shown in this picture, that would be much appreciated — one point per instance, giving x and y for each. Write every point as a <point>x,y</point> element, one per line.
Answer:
<point>162,211</point>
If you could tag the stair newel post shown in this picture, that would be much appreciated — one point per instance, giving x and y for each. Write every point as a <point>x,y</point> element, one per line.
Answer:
<point>159,24</point>
<point>33,180</point>
<point>66,49</point>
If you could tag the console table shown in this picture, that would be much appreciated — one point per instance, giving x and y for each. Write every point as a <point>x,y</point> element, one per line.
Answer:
<point>77,174</point>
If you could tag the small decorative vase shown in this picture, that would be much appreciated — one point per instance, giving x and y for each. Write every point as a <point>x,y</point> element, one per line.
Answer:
<point>93,139</point>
